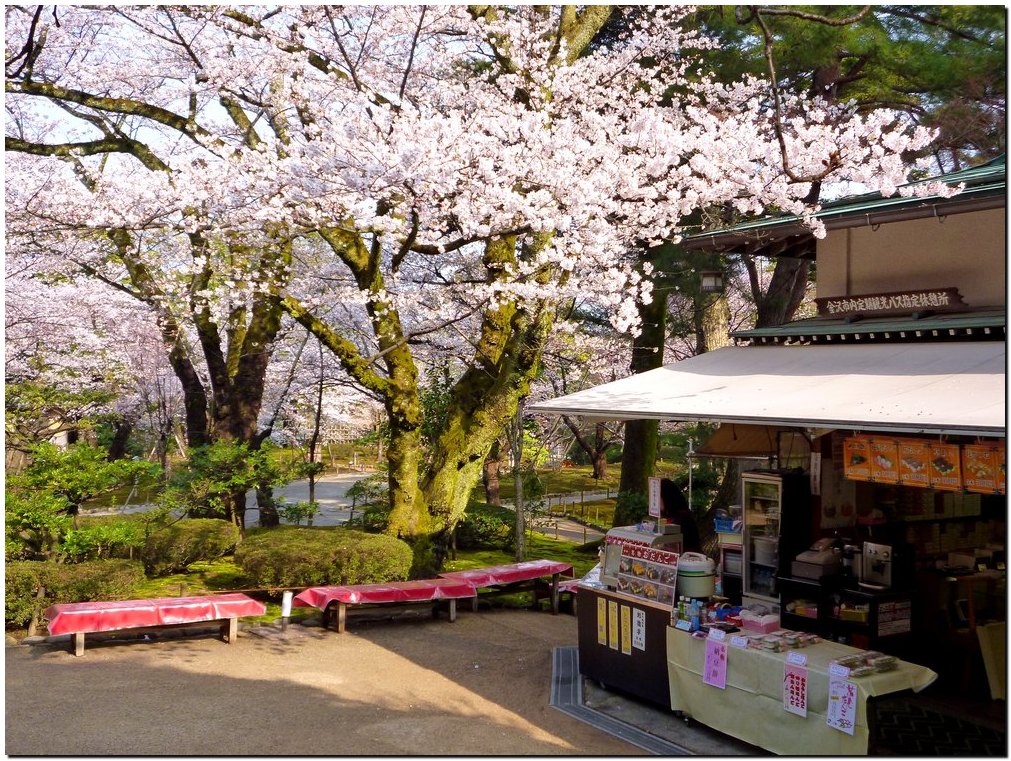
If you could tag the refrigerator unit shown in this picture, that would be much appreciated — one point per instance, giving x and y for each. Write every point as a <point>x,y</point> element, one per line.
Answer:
<point>777,527</point>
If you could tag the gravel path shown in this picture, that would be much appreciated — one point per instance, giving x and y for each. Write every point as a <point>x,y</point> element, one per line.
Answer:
<point>479,686</point>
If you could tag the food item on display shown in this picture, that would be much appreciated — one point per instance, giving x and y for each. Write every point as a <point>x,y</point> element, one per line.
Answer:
<point>850,661</point>
<point>883,663</point>
<point>862,671</point>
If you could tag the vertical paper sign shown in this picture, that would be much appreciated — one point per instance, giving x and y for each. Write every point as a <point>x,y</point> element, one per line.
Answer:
<point>654,497</point>
<point>601,621</point>
<point>842,705</point>
<point>715,672</point>
<point>612,624</point>
<point>795,689</point>
<point>626,630</point>
<point>638,628</point>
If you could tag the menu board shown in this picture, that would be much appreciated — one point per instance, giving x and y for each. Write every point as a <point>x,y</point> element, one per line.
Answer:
<point>979,468</point>
<point>648,573</point>
<point>857,458</point>
<point>913,456</point>
<point>944,467</point>
<point>885,461</point>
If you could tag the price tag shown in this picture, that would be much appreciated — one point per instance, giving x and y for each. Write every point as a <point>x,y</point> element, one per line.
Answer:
<point>841,671</point>
<point>797,659</point>
<point>738,641</point>
<point>717,634</point>
<point>981,567</point>
<point>683,624</point>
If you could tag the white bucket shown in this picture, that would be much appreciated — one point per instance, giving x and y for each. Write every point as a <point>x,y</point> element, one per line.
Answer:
<point>766,550</point>
<point>696,575</point>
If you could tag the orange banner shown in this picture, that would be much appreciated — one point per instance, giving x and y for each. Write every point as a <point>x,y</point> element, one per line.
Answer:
<point>857,458</point>
<point>913,457</point>
<point>944,467</point>
<point>885,461</point>
<point>979,468</point>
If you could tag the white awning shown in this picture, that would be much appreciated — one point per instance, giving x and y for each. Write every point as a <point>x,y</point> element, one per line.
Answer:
<point>953,388</point>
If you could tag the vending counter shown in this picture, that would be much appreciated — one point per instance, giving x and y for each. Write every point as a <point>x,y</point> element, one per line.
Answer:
<point>751,706</point>
<point>622,643</point>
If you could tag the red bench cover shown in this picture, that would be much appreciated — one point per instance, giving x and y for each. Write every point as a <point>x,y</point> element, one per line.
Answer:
<point>102,616</point>
<point>395,591</point>
<point>510,573</point>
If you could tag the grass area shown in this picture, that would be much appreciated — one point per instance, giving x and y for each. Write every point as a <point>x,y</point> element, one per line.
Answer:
<point>567,480</point>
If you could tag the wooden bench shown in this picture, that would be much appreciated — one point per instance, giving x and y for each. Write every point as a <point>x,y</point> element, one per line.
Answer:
<point>515,577</point>
<point>80,618</point>
<point>338,598</point>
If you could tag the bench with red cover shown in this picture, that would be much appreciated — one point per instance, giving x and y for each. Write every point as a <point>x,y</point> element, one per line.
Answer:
<point>80,618</point>
<point>327,599</point>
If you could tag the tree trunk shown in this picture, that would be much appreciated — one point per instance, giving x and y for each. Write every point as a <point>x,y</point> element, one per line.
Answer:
<point>600,464</point>
<point>490,477</point>
<point>121,434</point>
<point>269,517</point>
<point>785,293</point>
<point>642,436</point>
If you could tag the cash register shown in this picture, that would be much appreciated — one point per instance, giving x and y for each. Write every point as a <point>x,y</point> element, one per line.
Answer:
<point>824,558</point>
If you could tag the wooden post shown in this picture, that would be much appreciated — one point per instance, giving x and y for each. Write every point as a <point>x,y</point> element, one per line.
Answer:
<point>78,643</point>
<point>342,617</point>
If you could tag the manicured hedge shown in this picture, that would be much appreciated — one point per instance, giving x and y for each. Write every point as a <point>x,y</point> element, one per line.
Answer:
<point>485,527</point>
<point>77,582</point>
<point>291,556</point>
<point>173,548</point>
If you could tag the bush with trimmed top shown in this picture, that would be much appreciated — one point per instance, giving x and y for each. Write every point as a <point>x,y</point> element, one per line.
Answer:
<point>61,582</point>
<point>172,548</point>
<point>291,556</point>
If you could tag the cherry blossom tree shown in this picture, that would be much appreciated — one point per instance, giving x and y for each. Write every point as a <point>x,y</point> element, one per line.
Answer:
<point>405,182</point>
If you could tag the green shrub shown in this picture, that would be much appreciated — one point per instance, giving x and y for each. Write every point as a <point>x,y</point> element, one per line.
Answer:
<point>171,549</point>
<point>291,556</point>
<point>78,582</point>
<point>103,540</point>
<point>485,527</point>
<point>631,508</point>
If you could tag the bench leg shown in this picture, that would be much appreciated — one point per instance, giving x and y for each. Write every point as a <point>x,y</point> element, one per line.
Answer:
<point>230,630</point>
<point>554,594</point>
<point>78,643</point>
<point>452,610</point>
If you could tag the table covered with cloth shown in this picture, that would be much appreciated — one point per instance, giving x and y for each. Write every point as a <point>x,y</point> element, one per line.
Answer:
<point>751,709</point>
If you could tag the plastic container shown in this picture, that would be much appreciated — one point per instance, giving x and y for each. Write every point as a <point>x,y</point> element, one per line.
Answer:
<point>766,550</point>
<point>696,575</point>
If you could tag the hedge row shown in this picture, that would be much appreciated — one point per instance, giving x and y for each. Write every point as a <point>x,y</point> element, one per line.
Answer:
<point>292,556</point>
<point>97,580</point>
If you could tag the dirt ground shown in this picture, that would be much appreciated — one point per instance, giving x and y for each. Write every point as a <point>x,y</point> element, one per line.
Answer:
<point>478,686</point>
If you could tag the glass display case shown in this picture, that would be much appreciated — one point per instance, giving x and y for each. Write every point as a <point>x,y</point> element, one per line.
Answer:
<point>777,527</point>
<point>762,500</point>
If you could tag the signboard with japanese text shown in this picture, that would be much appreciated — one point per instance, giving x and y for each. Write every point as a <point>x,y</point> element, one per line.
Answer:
<point>979,468</point>
<point>648,573</point>
<point>857,458</point>
<point>895,302</point>
<point>885,461</point>
<point>842,705</point>
<point>795,689</point>
<point>715,672</point>
<point>944,466</point>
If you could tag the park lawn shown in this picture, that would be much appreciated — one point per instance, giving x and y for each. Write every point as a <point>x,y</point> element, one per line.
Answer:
<point>565,481</point>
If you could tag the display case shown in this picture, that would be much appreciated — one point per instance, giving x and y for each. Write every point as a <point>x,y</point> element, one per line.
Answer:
<point>777,527</point>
